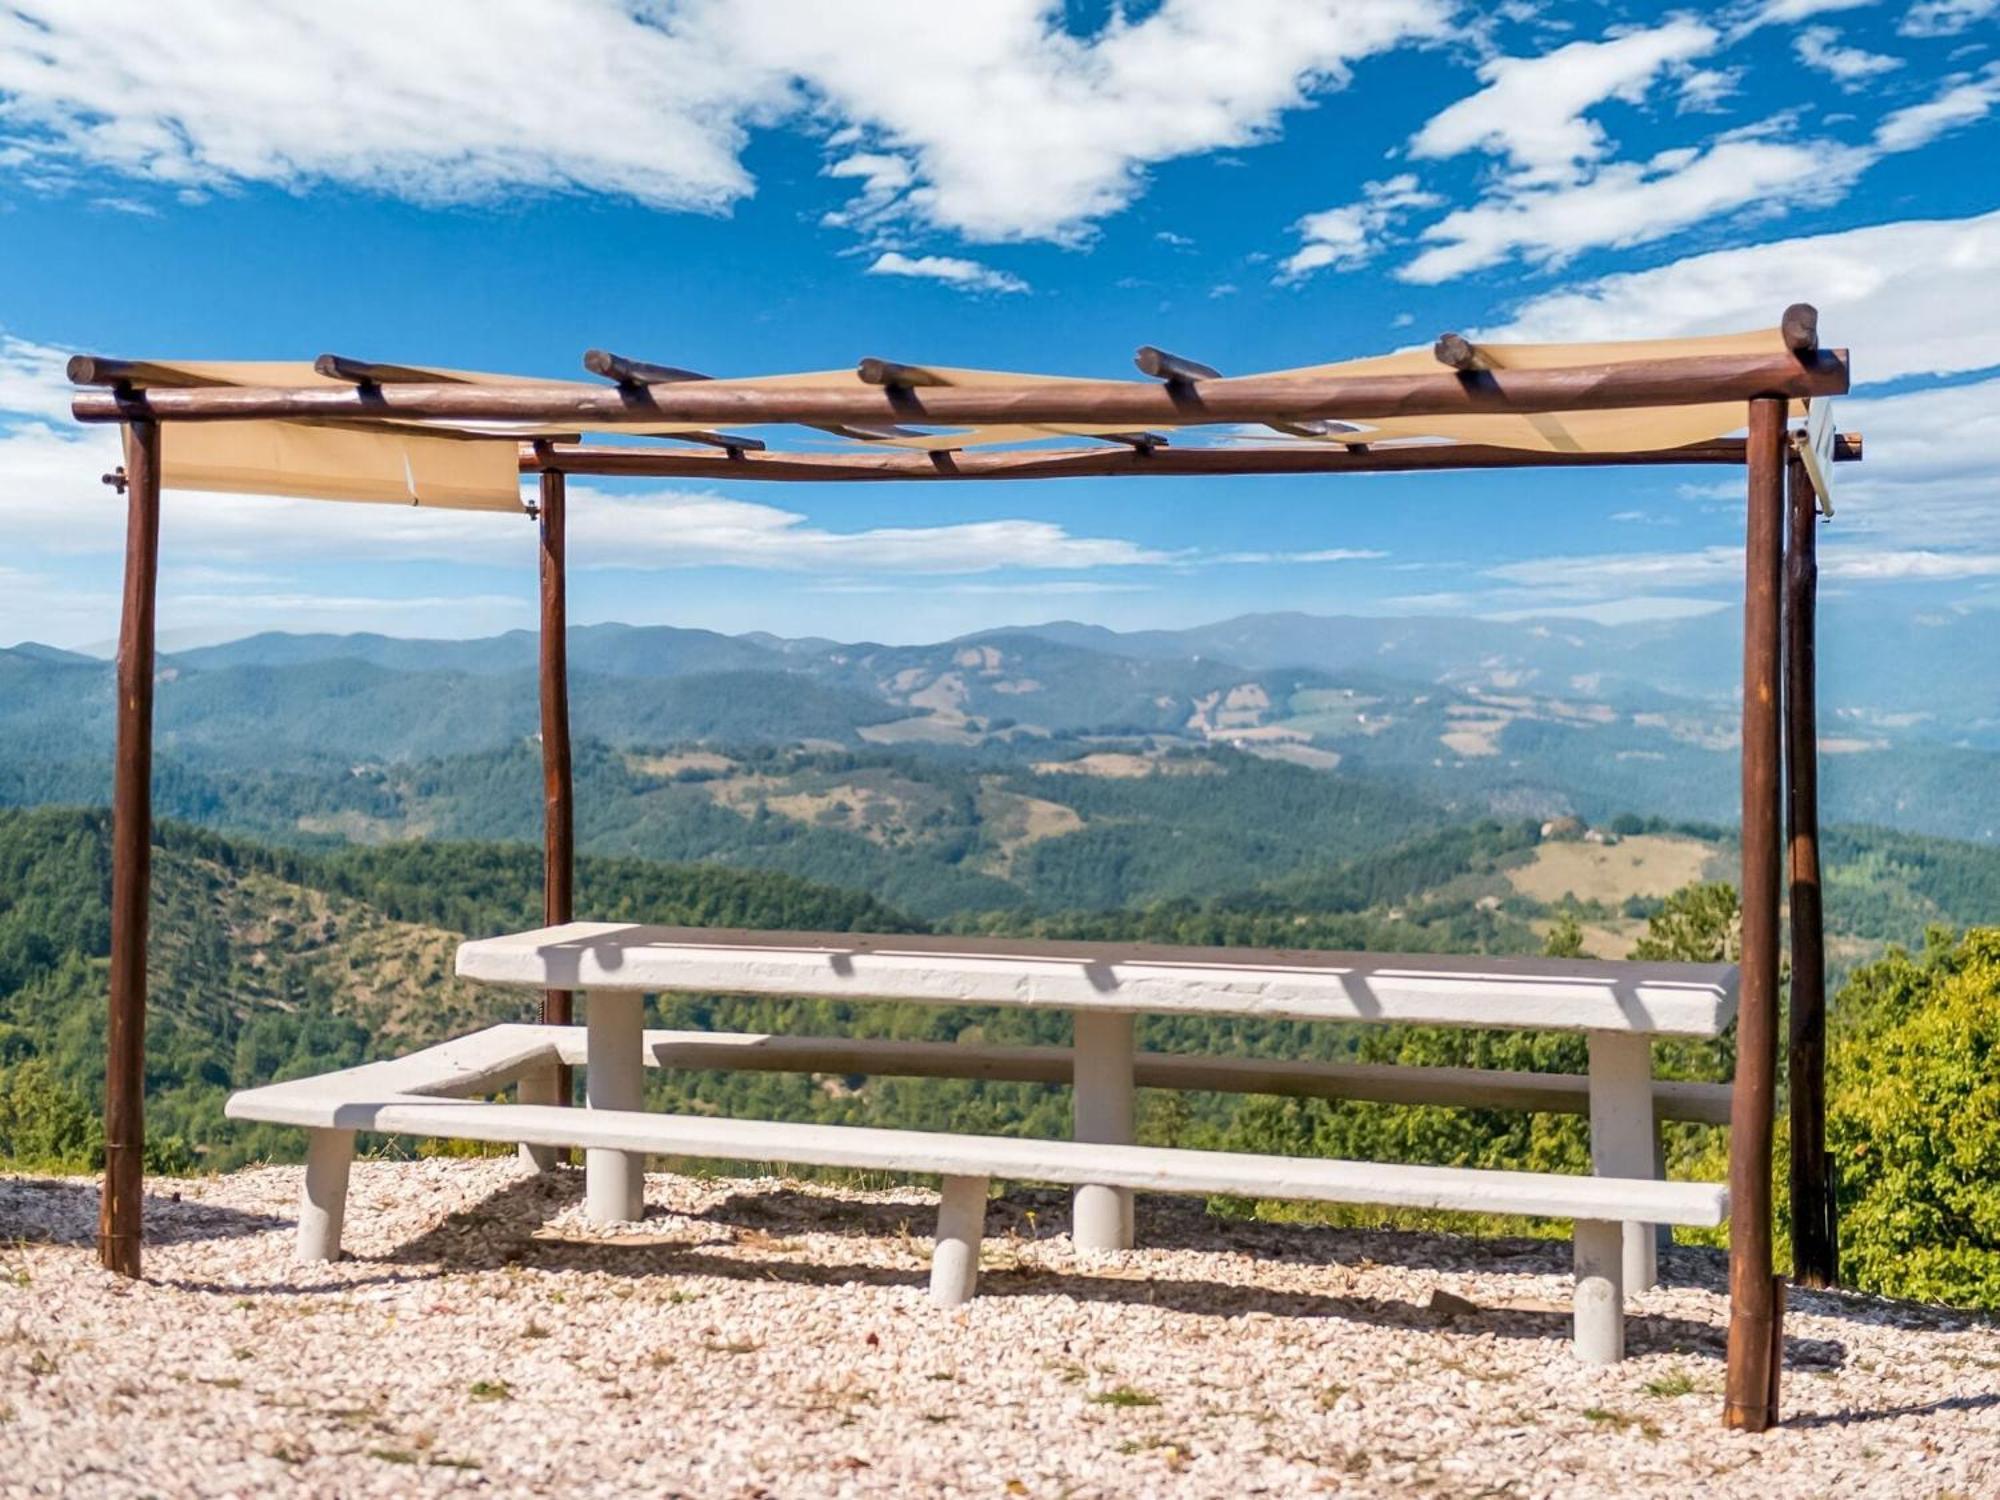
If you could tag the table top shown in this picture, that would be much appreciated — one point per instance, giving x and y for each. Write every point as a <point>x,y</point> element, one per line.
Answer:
<point>1277,983</point>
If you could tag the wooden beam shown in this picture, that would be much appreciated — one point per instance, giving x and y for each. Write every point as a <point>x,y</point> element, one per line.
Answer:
<point>1176,369</point>
<point>1095,463</point>
<point>96,369</point>
<point>1173,368</point>
<point>1748,1402</point>
<point>1815,1225</point>
<point>1457,351</point>
<point>1800,328</point>
<point>1124,404</point>
<point>120,1209</point>
<point>732,442</point>
<point>367,372</point>
<point>887,372</point>
<point>637,376</point>
<point>558,792</point>
<point>635,372</point>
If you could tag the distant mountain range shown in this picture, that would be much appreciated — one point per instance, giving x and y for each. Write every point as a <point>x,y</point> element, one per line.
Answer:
<point>1475,716</point>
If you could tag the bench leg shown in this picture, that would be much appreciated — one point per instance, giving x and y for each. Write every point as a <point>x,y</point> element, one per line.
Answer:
<point>323,1204</point>
<point>961,1222</point>
<point>1622,1134</point>
<point>614,1182</point>
<point>1600,1293</point>
<point>540,1087</point>
<point>1102,1216</point>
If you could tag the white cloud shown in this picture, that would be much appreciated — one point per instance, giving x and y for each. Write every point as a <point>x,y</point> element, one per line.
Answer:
<point>1929,18</point>
<point>1931,473</point>
<point>1919,508</point>
<point>967,275</point>
<point>1641,609</point>
<point>1630,203</point>
<point>1789,12</point>
<point>1350,236</point>
<point>1323,555</point>
<point>1913,298</point>
<point>1016,128</point>
<point>432,102</point>
<point>1967,99</point>
<point>1559,193</point>
<point>994,120</point>
<point>1532,109</point>
<point>1705,90</point>
<point>672,529</point>
<point>1714,567</point>
<point>1820,48</point>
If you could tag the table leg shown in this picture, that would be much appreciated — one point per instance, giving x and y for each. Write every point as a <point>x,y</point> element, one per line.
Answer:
<point>540,1086</point>
<point>323,1203</point>
<point>1622,1134</point>
<point>1102,1216</point>
<point>615,1069</point>
<point>1599,1312</point>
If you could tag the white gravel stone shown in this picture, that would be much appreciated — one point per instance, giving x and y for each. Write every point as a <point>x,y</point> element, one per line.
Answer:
<point>754,1338</point>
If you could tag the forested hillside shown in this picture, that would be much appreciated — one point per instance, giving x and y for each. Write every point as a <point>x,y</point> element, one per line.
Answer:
<point>1489,718</point>
<point>267,963</point>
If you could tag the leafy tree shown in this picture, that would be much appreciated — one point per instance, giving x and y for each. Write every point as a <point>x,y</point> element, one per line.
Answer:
<point>1565,939</point>
<point>1913,1124</point>
<point>1698,924</point>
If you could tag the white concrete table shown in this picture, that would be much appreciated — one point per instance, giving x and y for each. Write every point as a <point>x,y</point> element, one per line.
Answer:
<point>1622,1006</point>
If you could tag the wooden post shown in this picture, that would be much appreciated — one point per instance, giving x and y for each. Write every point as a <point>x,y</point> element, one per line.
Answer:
<point>1751,1378</point>
<point>120,1209</point>
<point>558,808</point>
<point>1815,1227</point>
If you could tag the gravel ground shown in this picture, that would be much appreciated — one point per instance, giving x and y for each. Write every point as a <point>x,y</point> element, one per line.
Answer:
<point>764,1338</point>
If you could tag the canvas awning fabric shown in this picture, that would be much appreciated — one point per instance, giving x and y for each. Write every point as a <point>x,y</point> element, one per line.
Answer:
<point>463,467</point>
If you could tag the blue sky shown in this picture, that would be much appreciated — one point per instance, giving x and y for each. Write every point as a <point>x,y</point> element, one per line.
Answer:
<point>777,184</point>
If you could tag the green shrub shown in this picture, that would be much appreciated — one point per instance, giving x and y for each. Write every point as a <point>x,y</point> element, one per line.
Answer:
<point>1913,1122</point>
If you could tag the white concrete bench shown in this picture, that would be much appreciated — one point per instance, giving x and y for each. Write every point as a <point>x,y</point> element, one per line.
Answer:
<point>416,1095</point>
<point>1621,1006</point>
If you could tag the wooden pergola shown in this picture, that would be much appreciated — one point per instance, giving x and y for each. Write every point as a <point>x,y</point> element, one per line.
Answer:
<point>343,428</point>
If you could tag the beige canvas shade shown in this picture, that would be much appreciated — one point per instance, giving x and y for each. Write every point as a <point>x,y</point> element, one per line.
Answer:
<point>468,467</point>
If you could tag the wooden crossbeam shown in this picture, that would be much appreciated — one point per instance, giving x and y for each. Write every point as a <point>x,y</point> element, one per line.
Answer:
<point>97,369</point>
<point>366,372</point>
<point>639,375</point>
<point>887,372</point>
<point>1085,463</point>
<point>1173,368</point>
<point>1677,381</point>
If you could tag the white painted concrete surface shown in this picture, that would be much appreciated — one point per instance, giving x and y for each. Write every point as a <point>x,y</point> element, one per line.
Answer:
<point>614,1079</point>
<point>323,1201</point>
<point>1623,1135</point>
<point>1306,985</point>
<point>539,1086</point>
<point>961,1224</point>
<point>1599,1309</point>
<point>1101,1216</point>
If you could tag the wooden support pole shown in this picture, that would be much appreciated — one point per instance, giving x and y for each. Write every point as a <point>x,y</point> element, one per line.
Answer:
<point>1815,1226</point>
<point>1750,1379</point>
<point>558,801</point>
<point>120,1209</point>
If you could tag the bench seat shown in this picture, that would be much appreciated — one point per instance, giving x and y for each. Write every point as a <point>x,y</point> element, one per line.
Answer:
<point>412,1095</point>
